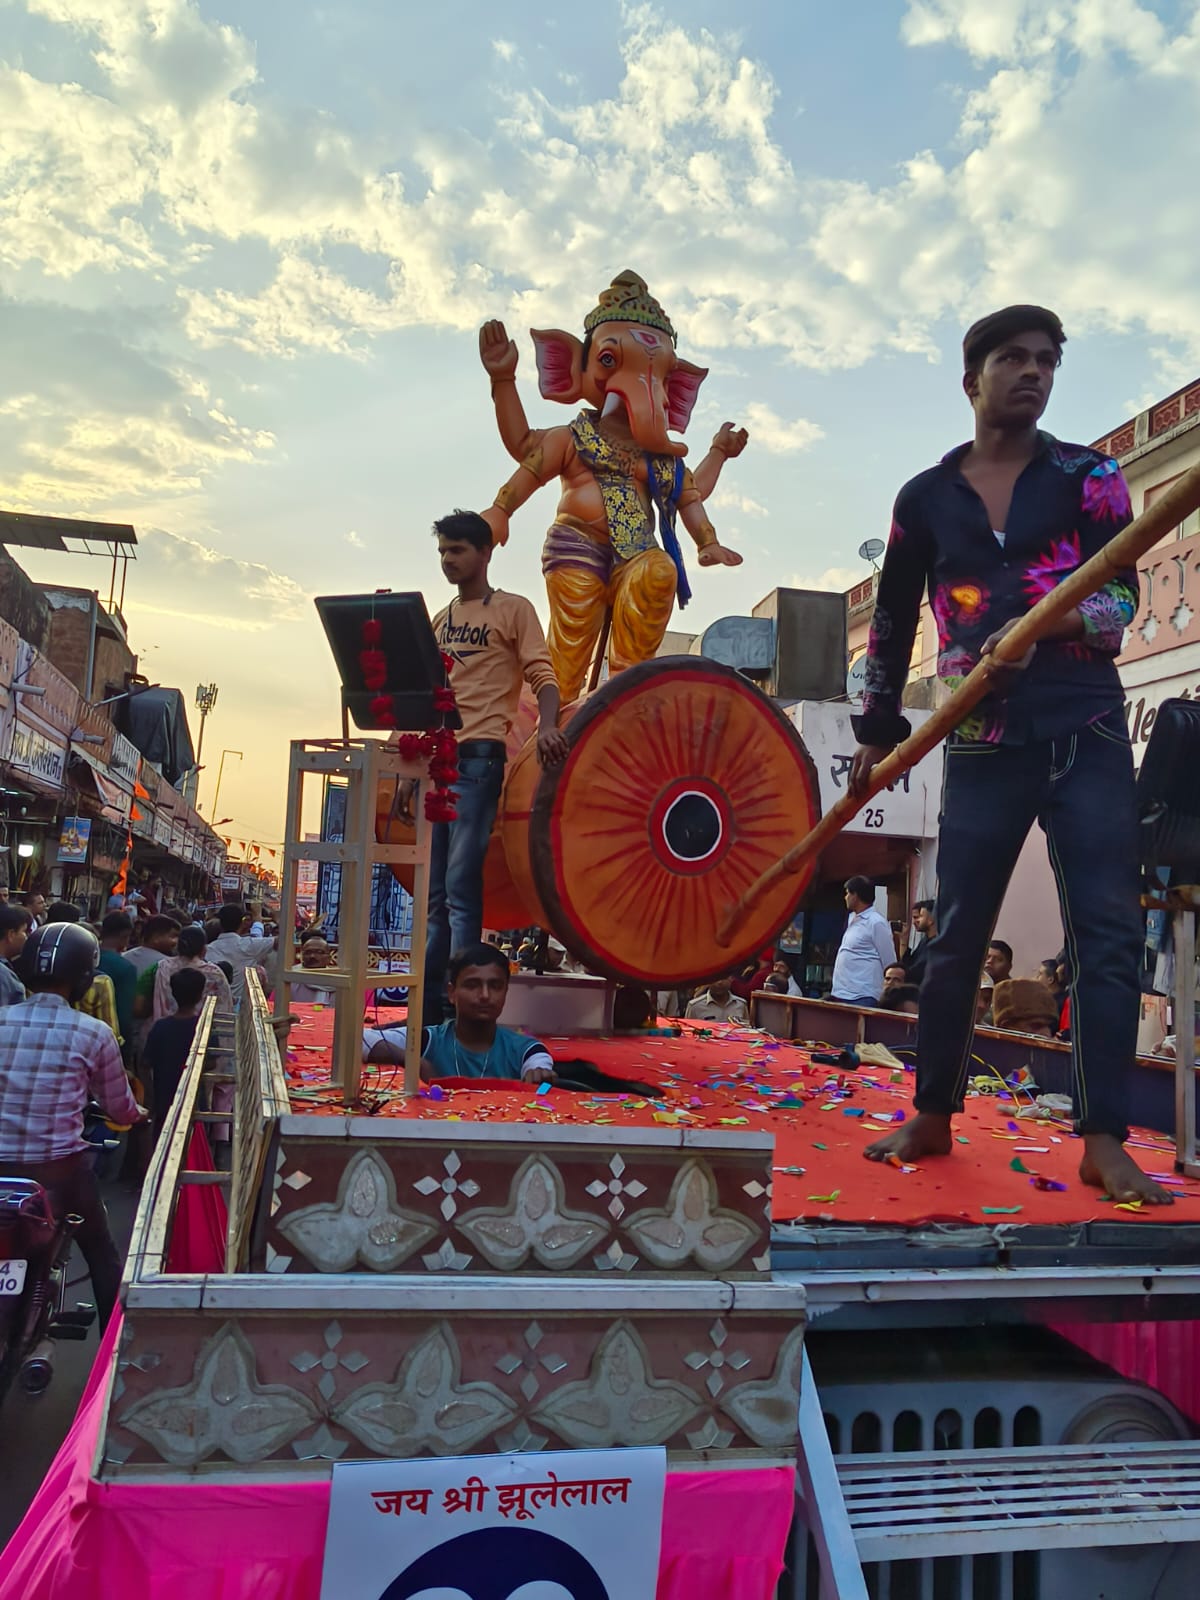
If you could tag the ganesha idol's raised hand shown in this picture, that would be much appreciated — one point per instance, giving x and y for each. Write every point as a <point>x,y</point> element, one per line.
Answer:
<point>618,466</point>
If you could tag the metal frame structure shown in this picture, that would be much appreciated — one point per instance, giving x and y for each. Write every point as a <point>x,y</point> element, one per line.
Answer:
<point>260,1099</point>
<point>364,764</point>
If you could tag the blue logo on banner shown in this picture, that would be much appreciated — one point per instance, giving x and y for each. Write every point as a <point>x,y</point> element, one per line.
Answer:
<point>493,1563</point>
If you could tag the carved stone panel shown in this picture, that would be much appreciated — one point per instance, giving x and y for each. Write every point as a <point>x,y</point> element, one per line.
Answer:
<point>449,1206</point>
<point>247,1390</point>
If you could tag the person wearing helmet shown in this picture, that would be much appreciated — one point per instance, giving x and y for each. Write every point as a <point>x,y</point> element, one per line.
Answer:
<point>53,1060</point>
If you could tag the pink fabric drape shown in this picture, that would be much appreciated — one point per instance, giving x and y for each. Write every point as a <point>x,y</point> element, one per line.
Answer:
<point>723,1532</point>
<point>1165,1355</point>
<point>198,1234</point>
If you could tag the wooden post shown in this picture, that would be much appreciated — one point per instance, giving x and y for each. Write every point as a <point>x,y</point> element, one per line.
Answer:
<point>286,943</point>
<point>354,913</point>
<point>363,764</point>
<point>416,963</point>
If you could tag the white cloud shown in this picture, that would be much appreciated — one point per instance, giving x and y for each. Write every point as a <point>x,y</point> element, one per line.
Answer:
<point>834,580</point>
<point>305,307</point>
<point>777,436</point>
<point>182,579</point>
<point>284,233</point>
<point>355,540</point>
<point>732,500</point>
<point>101,416</point>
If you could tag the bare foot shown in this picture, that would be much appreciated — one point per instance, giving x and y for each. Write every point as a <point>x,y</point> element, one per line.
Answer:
<point>925,1135</point>
<point>1108,1165</point>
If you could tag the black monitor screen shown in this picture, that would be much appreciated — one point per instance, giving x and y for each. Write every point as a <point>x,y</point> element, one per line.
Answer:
<point>414,663</point>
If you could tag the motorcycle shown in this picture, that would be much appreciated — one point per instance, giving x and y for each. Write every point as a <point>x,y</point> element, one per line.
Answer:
<point>34,1249</point>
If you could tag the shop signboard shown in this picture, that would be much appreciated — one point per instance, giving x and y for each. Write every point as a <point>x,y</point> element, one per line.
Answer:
<point>908,810</point>
<point>125,760</point>
<point>37,756</point>
<point>1170,675</point>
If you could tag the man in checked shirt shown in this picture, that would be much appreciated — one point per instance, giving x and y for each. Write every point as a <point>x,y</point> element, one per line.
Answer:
<point>53,1060</point>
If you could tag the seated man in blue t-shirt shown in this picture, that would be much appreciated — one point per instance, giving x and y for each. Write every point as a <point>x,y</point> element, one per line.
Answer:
<point>471,1044</point>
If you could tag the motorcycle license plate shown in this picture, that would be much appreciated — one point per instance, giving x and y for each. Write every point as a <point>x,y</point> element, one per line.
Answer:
<point>12,1277</point>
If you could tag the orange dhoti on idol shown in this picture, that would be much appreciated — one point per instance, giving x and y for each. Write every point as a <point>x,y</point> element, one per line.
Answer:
<point>613,550</point>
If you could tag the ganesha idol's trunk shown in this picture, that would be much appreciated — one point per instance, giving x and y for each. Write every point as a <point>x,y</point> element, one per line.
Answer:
<point>644,398</point>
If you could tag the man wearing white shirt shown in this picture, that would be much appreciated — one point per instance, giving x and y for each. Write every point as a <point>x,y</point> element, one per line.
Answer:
<point>866,951</point>
<point>239,950</point>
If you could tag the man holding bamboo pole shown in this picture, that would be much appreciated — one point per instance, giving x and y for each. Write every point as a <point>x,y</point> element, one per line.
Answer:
<point>999,523</point>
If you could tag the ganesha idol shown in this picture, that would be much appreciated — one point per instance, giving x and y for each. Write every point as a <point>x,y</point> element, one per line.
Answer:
<point>620,471</point>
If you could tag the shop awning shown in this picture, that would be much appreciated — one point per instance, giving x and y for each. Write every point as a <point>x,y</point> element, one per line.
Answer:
<point>92,779</point>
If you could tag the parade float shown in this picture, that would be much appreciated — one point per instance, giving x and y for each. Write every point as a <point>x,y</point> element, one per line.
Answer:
<point>858,1372</point>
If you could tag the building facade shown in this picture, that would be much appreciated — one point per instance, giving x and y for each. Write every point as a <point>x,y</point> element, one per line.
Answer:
<point>80,804</point>
<point>1161,659</point>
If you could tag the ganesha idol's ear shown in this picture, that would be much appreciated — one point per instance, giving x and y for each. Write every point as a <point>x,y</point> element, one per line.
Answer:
<point>559,364</point>
<point>683,385</point>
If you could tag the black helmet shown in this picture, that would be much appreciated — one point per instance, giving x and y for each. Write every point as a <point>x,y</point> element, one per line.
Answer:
<point>61,952</point>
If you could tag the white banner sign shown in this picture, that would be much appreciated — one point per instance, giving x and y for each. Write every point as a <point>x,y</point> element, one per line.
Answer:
<point>33,753</point>
<point>1145,692</point>
<point>571,1525</point>
<point>909,810</point>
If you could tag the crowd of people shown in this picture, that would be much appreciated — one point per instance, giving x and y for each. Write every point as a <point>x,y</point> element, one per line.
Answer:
<point>886,969</point>
<point>97,1021</point>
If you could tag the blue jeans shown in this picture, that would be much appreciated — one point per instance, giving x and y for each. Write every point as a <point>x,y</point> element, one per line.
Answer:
<point>1080,789</point>
<point>457,851</point>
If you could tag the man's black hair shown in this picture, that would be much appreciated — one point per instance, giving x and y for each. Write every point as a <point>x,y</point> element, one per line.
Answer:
<point>986,335</point>
<point>893,999</point>
<point>13,917</point>
<point>1005,950</point>
<point>187,985</point>
<point>923,905</point>
<point>63,911</point>
<point>861,888</point>
<point>231,917</point>
<point>467,527</point>
<point>115,924</point>
<point>159,923</point>
<point>476,955</point>
<point>192,942</point>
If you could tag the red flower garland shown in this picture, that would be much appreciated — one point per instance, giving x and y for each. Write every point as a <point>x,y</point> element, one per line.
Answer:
<point>438,747</point>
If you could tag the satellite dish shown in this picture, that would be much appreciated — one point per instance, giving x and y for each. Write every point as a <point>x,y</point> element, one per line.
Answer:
<point>870,550</point>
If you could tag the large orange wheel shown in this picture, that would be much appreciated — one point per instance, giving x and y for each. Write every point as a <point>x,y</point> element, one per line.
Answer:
<point>683,783</point>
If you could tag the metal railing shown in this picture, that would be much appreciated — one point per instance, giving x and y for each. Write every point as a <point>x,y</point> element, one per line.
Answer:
<point>260,1097</point>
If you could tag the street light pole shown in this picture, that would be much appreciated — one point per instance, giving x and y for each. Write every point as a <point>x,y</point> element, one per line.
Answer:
<point>206,699</point>
<point>220,773</point>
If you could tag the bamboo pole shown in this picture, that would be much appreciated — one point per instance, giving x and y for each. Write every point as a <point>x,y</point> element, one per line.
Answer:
<point>1121,552</point>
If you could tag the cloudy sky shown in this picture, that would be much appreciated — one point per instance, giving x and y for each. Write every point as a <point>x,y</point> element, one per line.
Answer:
<point>244,250</point>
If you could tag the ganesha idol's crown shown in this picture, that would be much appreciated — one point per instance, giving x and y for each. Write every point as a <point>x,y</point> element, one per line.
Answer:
<point>627,299</point>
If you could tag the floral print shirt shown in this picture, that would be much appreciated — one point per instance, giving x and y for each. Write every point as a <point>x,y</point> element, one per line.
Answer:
<point>1067,504</point>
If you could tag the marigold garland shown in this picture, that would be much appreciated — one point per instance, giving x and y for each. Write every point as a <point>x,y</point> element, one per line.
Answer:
<point>438,747</point>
